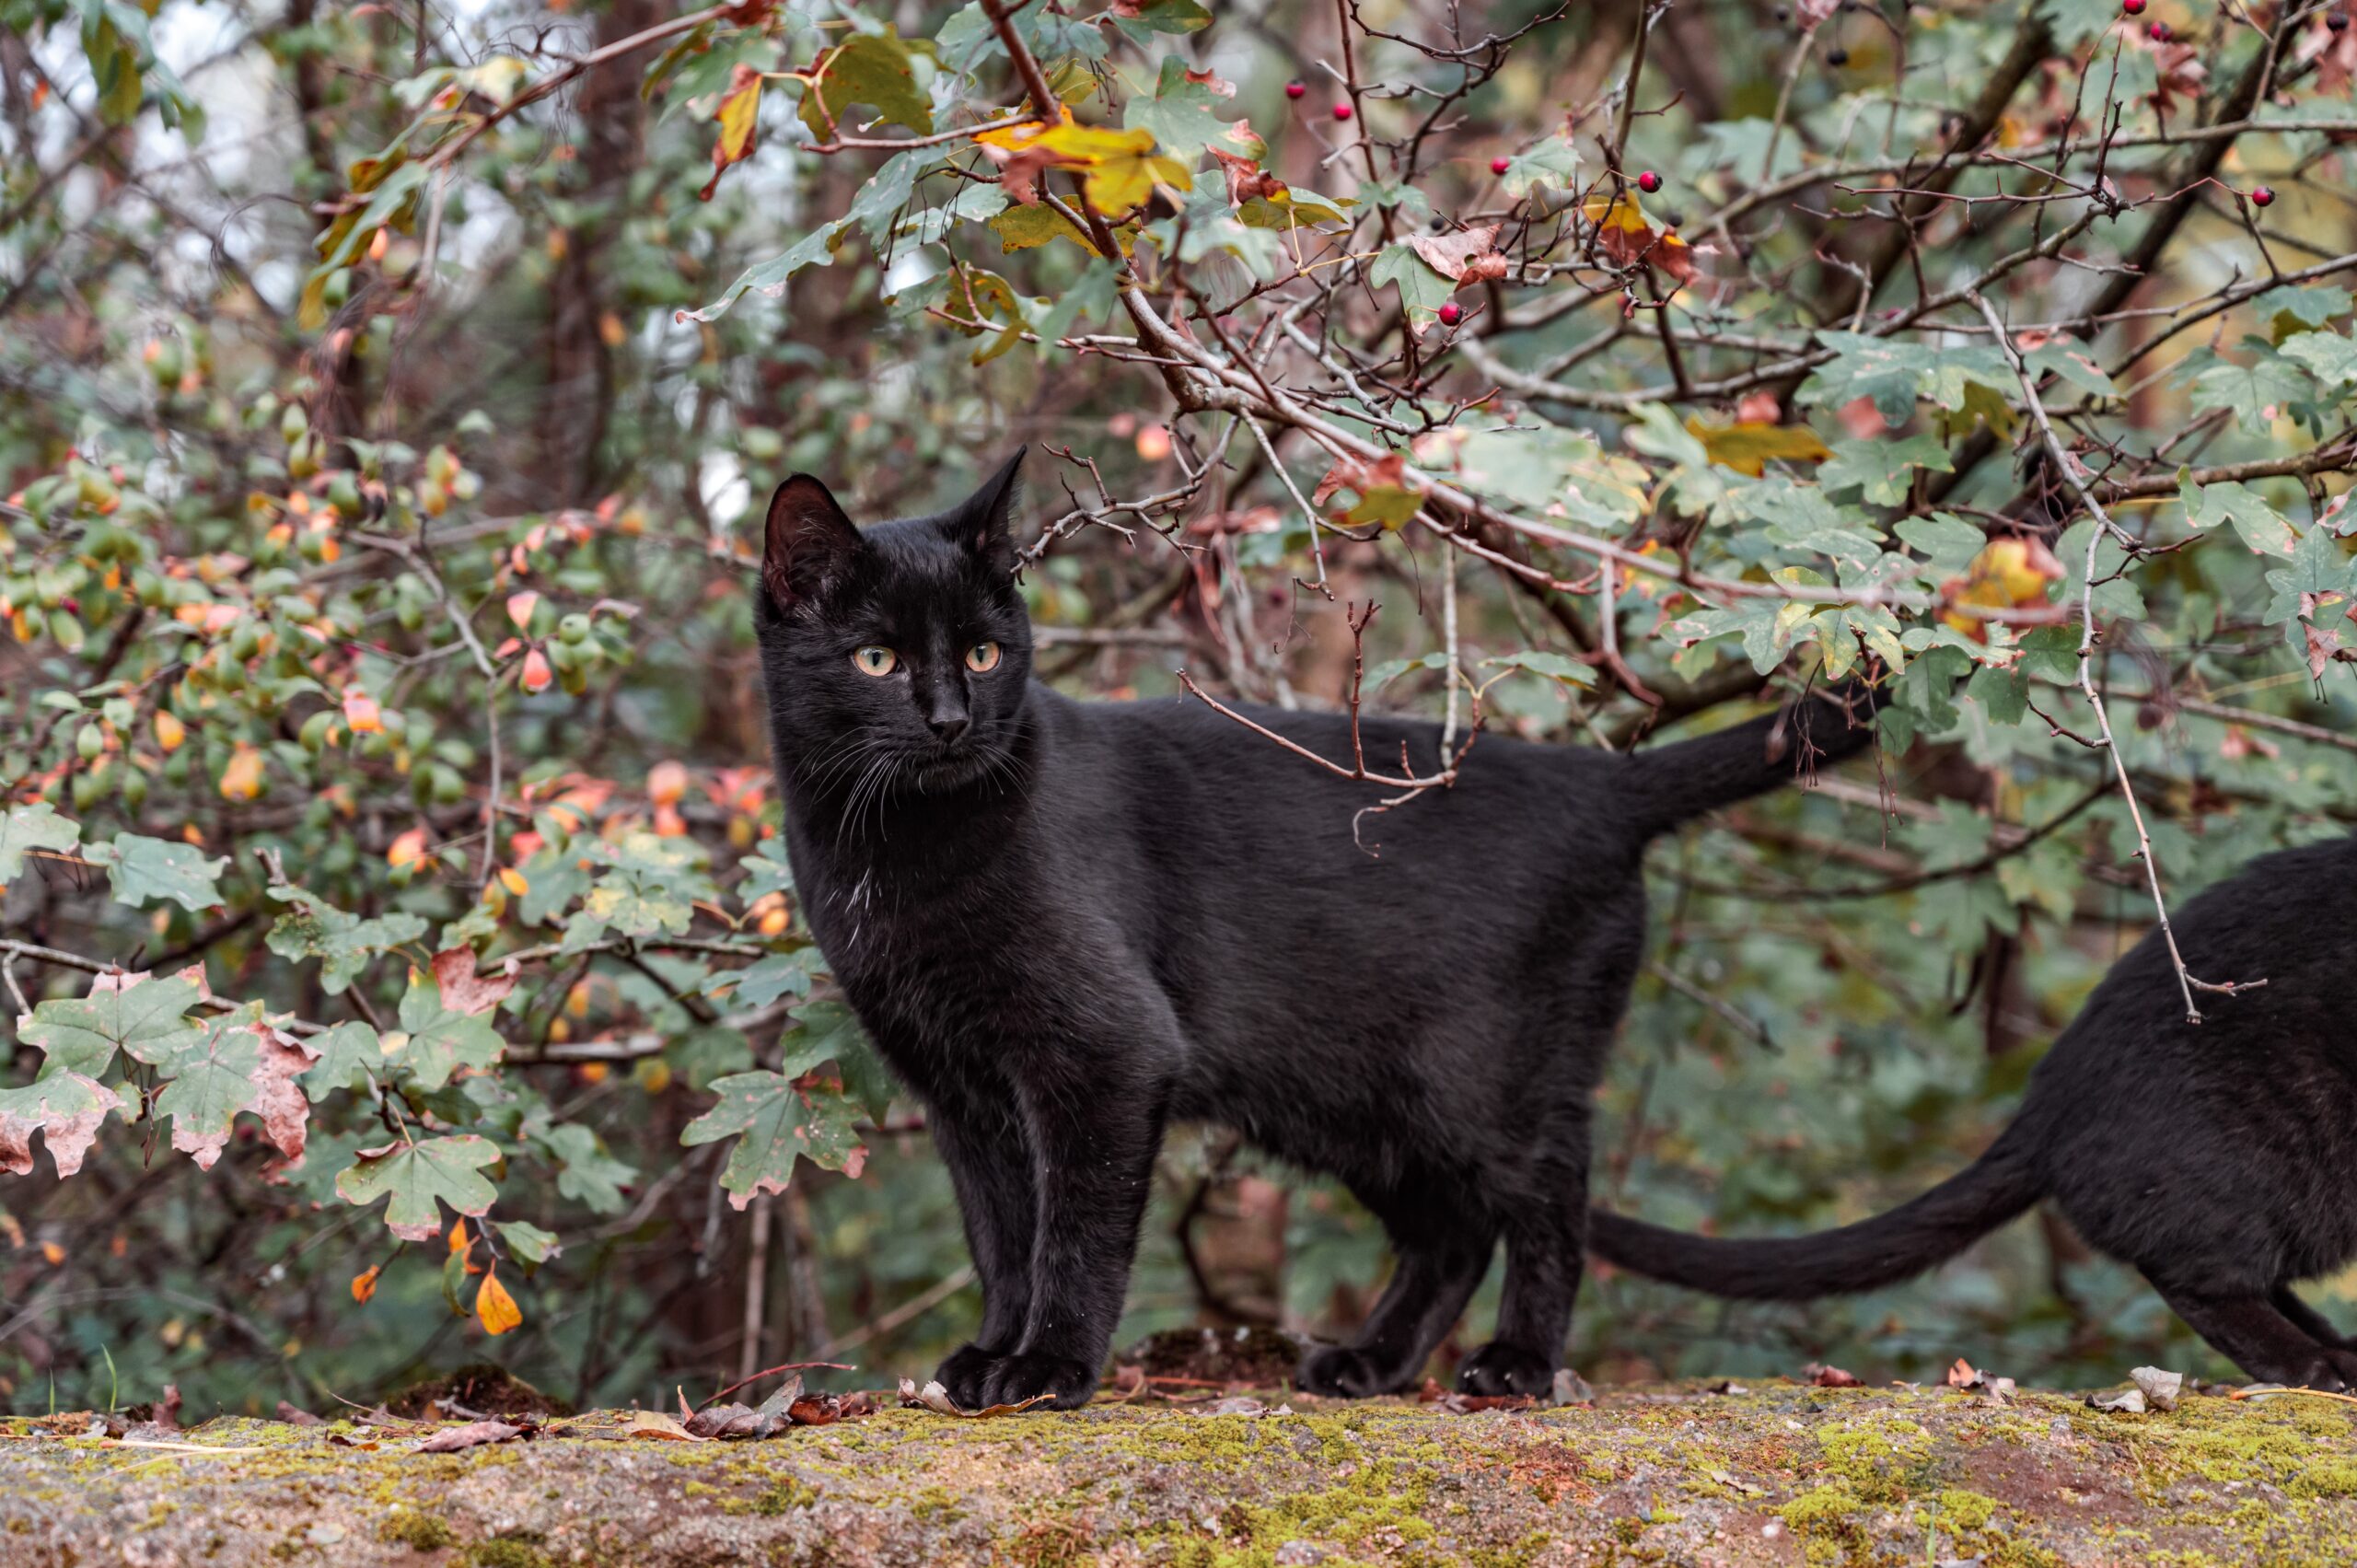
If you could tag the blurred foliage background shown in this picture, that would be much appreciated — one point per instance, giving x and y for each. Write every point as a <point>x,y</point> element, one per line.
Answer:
<point>383,437</point>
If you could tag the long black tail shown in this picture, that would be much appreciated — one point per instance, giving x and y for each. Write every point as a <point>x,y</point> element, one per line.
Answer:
<point>1689,777</point>
<point>1872,1253</point>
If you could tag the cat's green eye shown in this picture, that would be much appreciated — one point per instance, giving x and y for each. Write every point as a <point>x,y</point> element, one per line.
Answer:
<point>983,657</point>
<point>873,660</point>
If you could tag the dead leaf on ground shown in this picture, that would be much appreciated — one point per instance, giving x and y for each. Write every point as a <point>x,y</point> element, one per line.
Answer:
<point>934,1397</point>
<point>1570,1389</point>
<point>1827,1376</point>
<point>474,1434</point>
<point>2126,1401</point>
<point>1456,1403</point>
<point>2161,1388</point>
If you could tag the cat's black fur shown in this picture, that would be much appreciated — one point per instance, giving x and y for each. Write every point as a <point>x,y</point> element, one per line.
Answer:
<point>1066,924</point>
<point>2220,1158</point>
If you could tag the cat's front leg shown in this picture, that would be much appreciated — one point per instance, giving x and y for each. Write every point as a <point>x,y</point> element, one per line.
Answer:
<point>978,1130</point>
<point>1096,1126</point>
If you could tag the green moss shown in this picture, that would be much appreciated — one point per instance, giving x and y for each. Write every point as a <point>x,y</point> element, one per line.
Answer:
<point>1826,1509</point>
<point>504,1554</point>
<point>2326,1480</point>
<point>424,1532</point>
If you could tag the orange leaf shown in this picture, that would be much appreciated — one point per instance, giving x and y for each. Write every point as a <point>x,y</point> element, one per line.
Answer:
<point>241,780</point>
<point>407,850</point>
<point>361,712</point>
<point>459,1240</point>
<point>537,673</point>
<point>170,731</point>
<point>1748,445</point>
<point>495,1308</point>
<point>364,1284</point>
<point>520,606</point>
<point>2007,573</point>
<point>740,112</point>
<point>666,783</point>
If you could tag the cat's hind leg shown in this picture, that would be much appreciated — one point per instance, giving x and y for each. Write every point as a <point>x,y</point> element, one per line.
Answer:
<point>2255,1334</point>
<point>1442,1247</point>
<point>2315,1324</point>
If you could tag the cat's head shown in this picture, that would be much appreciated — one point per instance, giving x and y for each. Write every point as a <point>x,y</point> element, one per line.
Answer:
<point>895,656</point>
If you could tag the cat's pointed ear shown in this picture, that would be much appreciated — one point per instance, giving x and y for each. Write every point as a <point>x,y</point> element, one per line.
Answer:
<point>983,523</point>
<point>806,543</point>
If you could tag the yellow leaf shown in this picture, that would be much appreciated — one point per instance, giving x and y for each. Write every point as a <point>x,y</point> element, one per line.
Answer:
<point>740,112</point>
<point>1119,170</point>
<point>459,1240</point>
<point>241,780</point>
<point>1747,446</point>
<point>170,731</point>
<point>1615,212</point>
<point>2008,574</point>
<point>495,1308</point>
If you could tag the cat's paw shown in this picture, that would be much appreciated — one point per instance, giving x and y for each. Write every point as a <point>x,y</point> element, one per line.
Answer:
<point>1012,1379</point>
<point>2333,1372</point>
<point>964,1373</point>
<point>1341,1372</point>
<point>1501,1368</point>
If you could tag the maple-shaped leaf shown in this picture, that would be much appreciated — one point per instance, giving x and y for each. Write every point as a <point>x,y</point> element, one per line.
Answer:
<point>1449,254</point>
<point>24,829</point>
<point>67,1108</point>
<point>347,1057</point>
<point>142,869</point>
<point>2007,573</point>
<point>417,1178</point>
<point>1182,114</point>
<point>875,69</point>
<point>1119,170</point>
<point>345,943</point>
<point>777,1122</point>
<point>211,1080</point>
<point>2265,530</point>
<point>462,989</point>
<point>148,1018</point>
<point>1246,179</point>
<point>766,979</point>
<point>442,1039</point>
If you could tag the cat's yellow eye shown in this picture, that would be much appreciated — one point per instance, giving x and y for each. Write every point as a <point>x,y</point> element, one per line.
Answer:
<point>873,660</point>
<point>983,657</point>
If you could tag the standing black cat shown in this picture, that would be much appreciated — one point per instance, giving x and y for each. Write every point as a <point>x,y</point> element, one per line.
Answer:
<point>2219,1158</point>
<point>1067,923</point>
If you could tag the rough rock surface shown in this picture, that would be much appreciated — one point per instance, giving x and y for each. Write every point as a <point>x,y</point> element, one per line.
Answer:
<point>1778,1474</point>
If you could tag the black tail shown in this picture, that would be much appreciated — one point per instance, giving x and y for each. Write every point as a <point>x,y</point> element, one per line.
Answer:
<point>1684,780</point>
<point>1872,1253</point>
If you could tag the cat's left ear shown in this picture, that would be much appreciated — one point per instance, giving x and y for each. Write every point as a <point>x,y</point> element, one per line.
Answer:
<point>982,522</point>
<point>806,541</point>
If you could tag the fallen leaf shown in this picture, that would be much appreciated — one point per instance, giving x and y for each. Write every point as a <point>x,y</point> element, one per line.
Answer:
<point>474,1434</point>
<point>1570,1389</point>
<point>1963,1375</point>
<point>934,1397</point>
<point>2159,1388</point>
<point>655,1424</point>
<point>1827,1376</point>
<point>2126,1401</point>
<point>295,1417</point>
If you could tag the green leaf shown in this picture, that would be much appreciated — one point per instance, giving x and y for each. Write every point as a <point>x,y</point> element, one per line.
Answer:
<point>442,1040</point>
<point>586,1173</point>
<point>1546,662</point>
<point>147,1019</point>
<point>2255,392</point>
<point>350,1055</point>
<point>27,827</point>
<point>1881,469</point>
<point>866,1079</point>
<point>1163,16</point>
<point>142,869</point>
<point>2072,366</point>
<point>815,249</point>
<point>314,928</point>
<point>876,69</point>
<point>777,1122</point>
<point>1423,291</point>
<point>2289,310</point>
<point>528,1241</point>
<point>2262,527</point>
<point>1183,116</point>
<point>820,1032</point>
<point>418,1176</point>
<point>763,877</point>
<point>1947,540</point>
<point>2328,356</point>
<point>765,980</point>
<point>211,1081</point>
<point>1553,163</point>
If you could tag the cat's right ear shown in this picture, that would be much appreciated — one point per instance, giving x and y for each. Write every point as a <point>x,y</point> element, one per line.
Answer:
<point>807,541</point>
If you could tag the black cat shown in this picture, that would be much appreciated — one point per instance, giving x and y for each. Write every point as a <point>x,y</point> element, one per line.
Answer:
<point>1067,923</point>
<point>2219,1158</point>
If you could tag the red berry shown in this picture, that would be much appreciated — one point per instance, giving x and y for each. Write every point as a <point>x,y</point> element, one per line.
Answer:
<point>1499,165</point>
<point>2262,197</point>
<point>1342,111</point>
<point>1296,88</point>
<point>2158,32</point>
<point>2337,22</point>
<point>1451,315</point>
<point>1649,183</point>
<point>2134,7</point>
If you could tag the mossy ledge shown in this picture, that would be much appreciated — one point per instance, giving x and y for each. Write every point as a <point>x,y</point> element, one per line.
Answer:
<point>1783,1474</point>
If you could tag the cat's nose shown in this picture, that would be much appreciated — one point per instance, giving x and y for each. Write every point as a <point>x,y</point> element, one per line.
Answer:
<point>948,728</point>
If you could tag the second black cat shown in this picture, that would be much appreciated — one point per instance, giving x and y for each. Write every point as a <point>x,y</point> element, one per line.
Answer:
<point>2219,1158</point>
<point>1066,924</point>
